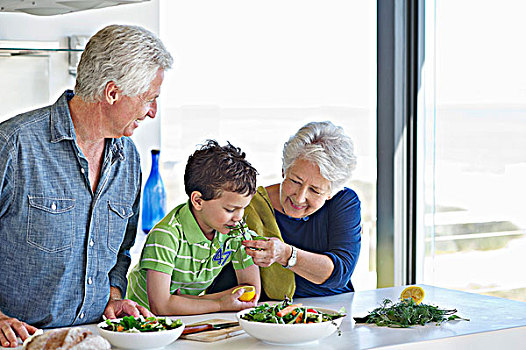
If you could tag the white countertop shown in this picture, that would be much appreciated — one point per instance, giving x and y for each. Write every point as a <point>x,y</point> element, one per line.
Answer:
<point>494,322</point>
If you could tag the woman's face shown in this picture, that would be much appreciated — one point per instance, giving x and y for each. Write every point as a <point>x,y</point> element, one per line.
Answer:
<point>303,190</point>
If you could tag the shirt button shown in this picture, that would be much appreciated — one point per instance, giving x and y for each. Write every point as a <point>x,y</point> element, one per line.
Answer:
<point>91,243</point>
<point>81,316</point>
<point>82,170</point>
<point>123,212</point>
<point>90,281</point>
<point>53,206</point>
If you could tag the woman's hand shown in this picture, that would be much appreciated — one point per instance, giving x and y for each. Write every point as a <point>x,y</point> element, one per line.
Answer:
<point>11,327</point>
<point>270,251</point>
<point>230,301</point>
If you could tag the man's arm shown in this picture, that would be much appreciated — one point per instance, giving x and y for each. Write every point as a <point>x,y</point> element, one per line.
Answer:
<point>119,271</point>
<point>11,327</point>
<point>7,176</point>
<point>117,306</point>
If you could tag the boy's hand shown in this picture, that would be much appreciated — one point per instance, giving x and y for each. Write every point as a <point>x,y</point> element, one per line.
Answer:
<point>230,301</point>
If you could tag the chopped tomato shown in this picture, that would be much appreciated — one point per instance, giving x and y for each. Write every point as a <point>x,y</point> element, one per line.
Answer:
<point>287,310</point>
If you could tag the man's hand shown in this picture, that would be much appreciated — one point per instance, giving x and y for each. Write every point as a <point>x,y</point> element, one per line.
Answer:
<point>124,307</point>
<point>11,327</point>
<point>118,307</point>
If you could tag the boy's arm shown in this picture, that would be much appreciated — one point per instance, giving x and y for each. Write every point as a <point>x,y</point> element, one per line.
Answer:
<point>250,275</point>
<point>163,303</point>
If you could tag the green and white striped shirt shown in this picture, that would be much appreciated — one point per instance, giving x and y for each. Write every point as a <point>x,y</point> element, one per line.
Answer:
<point>177,246</point>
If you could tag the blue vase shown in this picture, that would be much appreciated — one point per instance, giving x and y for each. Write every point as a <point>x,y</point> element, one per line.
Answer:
<point>154,196</point>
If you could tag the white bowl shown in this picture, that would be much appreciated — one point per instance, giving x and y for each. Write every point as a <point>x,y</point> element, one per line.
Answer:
<point>144,340</point>
<point>290,334</point>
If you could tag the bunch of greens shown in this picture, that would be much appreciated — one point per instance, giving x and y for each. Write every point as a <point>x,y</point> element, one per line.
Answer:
<point>407,313</point>
<point>130,324</point>
<point>240,231</point>
<point>288,313</point>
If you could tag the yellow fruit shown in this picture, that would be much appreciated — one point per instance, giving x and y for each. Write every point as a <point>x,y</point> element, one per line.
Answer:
<point>414,292</point>
<point>249,293</point>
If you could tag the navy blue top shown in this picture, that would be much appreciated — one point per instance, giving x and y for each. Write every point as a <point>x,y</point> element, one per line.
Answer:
<point>333,230</point>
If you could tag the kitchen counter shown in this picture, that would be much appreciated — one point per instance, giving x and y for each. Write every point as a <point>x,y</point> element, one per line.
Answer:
<point>494,322</point>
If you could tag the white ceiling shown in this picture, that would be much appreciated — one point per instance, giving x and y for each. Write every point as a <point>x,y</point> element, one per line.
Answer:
<point>57,7</point>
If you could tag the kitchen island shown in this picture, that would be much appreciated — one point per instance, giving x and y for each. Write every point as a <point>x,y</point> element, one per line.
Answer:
<point>494,323</point>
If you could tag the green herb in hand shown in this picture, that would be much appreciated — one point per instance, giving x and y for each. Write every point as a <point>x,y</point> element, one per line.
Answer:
<point>407,313</point>
<point>240,231</point>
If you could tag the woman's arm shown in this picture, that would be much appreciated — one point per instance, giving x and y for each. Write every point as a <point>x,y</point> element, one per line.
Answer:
<point>335,265</point>
<point>316,268</point>
<point>163,303</point>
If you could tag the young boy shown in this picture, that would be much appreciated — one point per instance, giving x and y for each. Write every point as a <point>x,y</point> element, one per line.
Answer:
<point>184,252</point>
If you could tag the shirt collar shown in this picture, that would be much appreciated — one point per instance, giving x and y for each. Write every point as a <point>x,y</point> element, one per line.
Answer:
<point>192,231</point>
<point>61,124</point>
<point>62,127</point>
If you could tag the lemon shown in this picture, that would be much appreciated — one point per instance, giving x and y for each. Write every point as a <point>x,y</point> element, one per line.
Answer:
<point>249,293</point>
<point>414,292</point>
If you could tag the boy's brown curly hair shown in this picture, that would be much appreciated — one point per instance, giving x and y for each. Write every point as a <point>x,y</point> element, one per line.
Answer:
<point>213,169</point>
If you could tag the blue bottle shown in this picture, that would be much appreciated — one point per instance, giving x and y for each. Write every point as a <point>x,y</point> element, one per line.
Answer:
<point>154,196</point>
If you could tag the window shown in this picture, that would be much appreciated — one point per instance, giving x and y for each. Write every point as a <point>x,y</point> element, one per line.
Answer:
<point>253,73</point>
<point>472,221</point>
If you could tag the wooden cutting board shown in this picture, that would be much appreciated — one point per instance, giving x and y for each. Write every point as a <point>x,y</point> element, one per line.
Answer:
<point>210,336</point>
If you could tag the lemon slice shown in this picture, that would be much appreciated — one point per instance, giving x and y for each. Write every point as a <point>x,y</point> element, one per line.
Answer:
<point>414,292</point>
<point>249,293</point>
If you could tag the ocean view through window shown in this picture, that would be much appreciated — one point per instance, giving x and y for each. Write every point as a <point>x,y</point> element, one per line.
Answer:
<point>472,223</point>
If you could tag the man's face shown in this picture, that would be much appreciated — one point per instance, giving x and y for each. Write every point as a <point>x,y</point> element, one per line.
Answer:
<point>217,214</point>
<point>129,111</point>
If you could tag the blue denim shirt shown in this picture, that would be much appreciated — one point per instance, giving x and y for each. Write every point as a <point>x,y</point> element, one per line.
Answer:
<point>61,245</point>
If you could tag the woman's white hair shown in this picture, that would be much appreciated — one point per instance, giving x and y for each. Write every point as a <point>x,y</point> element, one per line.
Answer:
<point>325,145</point>
<point>130,56</point>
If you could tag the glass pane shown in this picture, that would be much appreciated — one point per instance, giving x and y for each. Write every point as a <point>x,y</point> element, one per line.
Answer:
<point>26,84</point>
<point>473,224</point>
<point>253,73</point>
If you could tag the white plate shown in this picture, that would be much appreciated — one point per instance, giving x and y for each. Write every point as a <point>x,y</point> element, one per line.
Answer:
<point>145,340</point>
<point>290,334</point>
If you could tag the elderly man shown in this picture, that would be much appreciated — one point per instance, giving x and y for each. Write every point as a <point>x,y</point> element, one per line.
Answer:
<point>70,182</point>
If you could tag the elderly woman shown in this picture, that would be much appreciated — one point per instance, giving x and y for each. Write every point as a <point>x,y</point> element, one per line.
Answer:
<point>312,221</point>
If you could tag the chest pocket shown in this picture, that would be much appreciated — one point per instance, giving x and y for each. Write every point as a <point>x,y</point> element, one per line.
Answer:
<point>50,223</point>
<point>118,216</point>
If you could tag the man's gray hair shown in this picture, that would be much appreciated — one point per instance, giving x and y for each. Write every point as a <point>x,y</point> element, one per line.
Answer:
<point>325,145</point>
<point>130,56</point>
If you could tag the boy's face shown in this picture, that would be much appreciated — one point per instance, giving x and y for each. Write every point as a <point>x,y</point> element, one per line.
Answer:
<point>217,214</point>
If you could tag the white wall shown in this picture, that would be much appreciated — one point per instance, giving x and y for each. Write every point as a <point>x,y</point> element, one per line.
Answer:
<point>15,26</point>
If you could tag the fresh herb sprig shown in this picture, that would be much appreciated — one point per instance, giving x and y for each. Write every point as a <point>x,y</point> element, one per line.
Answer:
<point>240,231</point>
<point>130,324</point>
<point>407,313</point>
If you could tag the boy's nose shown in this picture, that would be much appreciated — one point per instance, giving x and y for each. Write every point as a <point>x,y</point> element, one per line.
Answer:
<point>237,217</point>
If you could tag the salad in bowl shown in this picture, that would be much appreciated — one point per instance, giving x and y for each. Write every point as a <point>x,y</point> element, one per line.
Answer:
<point>141,333</point>
<point>288,323</point>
